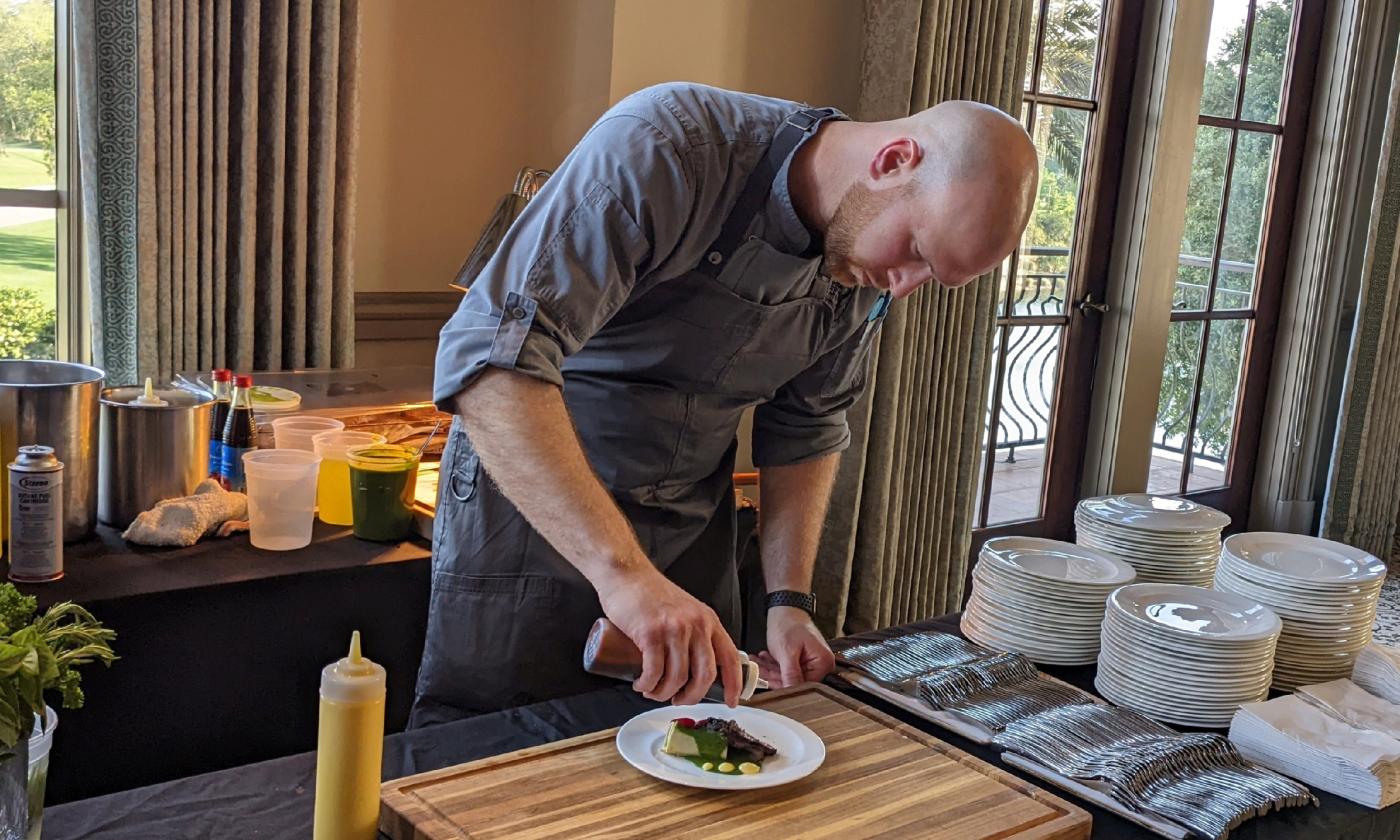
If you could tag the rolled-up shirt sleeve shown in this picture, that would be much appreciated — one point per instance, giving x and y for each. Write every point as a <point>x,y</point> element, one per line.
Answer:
<point>806,418</point>
<point>615,207</point>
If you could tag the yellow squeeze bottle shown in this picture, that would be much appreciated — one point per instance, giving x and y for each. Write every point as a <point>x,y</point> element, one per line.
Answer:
<point>349,748</point>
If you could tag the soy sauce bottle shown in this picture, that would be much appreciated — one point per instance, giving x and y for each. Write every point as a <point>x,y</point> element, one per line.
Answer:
<point>240,435</point>
<point>223,387</point>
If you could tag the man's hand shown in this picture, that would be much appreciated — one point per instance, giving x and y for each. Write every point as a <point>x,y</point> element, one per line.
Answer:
<point>683,643</point>
<point>796,650</point>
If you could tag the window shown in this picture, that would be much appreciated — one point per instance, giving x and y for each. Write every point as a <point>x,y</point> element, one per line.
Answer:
<point>33,181</point>
<point>1219,282</point>
<point>1035,311</point>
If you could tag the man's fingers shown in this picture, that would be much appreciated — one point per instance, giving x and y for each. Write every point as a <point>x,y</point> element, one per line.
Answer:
<point>729,670</point>
<point>702,671</point>
<point>790,666</point>
<point>677,670</point>
<point>817,663</point>
<point>653,666</point>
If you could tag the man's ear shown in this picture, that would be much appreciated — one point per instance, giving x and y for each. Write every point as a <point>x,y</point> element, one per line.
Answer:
<point>896,159</point>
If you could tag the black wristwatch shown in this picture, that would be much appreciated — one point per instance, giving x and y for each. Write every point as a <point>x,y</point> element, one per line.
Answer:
<point>804,601</point>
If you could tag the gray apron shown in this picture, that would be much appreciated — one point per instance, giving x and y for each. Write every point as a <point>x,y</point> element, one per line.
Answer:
<point>656,396</point>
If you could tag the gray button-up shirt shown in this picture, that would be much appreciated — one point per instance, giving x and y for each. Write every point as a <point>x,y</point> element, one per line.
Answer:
<point>594,289</point>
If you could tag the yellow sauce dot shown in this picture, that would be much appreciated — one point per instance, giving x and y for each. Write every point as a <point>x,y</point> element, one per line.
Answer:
<point>709,765</point>
<point>748,768</point>
<point>726,767</point>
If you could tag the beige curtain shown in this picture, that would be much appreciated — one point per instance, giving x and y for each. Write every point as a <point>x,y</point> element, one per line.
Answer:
<point>1363,499</point>
<point>897,538</point>
<point>247,123</point>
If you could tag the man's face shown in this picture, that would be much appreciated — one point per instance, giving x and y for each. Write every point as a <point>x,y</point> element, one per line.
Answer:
<point>888,239</point>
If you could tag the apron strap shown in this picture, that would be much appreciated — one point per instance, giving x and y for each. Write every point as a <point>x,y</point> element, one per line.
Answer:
<point>793,131</point>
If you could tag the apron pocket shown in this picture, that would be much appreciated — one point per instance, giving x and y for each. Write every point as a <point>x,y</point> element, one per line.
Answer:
<point>499,641</point>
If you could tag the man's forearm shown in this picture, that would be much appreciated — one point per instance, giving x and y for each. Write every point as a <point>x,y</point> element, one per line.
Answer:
<point>791,512</point>
<point>520,427</point>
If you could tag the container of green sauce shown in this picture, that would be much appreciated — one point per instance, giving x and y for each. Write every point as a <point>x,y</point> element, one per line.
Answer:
<point>382,479</point>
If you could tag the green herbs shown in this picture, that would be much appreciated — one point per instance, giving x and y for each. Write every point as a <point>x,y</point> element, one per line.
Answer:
<point>41,654</point>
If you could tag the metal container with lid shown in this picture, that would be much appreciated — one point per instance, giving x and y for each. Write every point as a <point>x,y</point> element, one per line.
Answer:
<point>151,452</point>
<point>54,404</point>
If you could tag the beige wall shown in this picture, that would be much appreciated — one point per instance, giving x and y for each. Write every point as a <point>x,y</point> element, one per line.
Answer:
<point>456,96</point>
<point>807,50</point>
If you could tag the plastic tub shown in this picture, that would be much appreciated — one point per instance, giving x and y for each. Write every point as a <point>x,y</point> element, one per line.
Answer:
<point>333,490</point>
<point>297,432</point>
<point>281,497</point>
<point>382,481</point>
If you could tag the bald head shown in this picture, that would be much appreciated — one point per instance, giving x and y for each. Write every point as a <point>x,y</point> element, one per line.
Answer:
<point>941,195</point>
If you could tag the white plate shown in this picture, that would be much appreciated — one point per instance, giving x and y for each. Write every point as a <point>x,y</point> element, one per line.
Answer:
<point>800,751</point>
<point>1208,653</point>
<point>1297,557</point>
<point>1058,561</point>
<point>1206,544</point>
<point>1299,594</point>
<point>1195,612</point>
<point>1155,513</point>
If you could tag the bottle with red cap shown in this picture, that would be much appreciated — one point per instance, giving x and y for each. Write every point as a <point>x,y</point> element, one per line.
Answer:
<point>223,395</point>
<point>240,435</point>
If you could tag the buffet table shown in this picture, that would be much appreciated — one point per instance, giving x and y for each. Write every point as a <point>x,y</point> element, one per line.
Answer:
<point>273,799</point>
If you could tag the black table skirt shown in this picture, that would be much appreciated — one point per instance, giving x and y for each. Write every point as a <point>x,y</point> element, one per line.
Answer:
<point>273,799</point>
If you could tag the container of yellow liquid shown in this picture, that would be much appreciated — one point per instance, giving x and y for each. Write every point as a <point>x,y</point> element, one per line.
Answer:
<point>333,485</point>
<point>349,748</point>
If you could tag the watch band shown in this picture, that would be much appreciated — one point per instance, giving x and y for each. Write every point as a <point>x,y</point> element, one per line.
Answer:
<point>804,601</point>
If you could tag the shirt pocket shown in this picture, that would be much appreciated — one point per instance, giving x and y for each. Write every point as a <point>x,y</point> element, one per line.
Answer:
<point>761,274</point>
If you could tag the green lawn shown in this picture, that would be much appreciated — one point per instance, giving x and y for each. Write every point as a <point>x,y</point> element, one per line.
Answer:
<point>27,258</point>
<point>22,167</point>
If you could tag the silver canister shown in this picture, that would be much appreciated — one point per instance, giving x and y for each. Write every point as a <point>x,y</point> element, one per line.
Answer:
<point>36,515</point>
<point>149,453</point>
<point>54,403</point>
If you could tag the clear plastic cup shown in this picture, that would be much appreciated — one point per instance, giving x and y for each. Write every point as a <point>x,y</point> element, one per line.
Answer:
<point>333,491</point>
<point>281,497</point>
<point>382,479</point>
<point>297,432</point>
<point>39,743</point>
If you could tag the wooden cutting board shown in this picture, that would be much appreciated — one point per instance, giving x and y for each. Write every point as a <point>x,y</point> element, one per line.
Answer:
<point>881,778</point>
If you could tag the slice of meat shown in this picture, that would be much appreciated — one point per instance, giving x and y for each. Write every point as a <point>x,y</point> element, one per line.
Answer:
<point>741,743</point>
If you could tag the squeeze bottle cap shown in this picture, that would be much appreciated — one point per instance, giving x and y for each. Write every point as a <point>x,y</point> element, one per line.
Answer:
<point>149,398</point>
<point>222,375</point>
<point>353,679</point>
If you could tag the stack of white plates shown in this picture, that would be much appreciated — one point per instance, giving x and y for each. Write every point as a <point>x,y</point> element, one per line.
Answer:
<point>1168,540</point>
<point>1324,591</point>
<point>1185,654</point>
<point>1042,598</point>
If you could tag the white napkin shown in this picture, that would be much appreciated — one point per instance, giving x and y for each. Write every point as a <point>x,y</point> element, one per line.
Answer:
<point>1345,700</point>
<point>1377,670</point>
<point>187,520</point>
<point>1298,739</point>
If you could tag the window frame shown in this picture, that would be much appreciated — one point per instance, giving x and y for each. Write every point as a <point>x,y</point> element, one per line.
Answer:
<point>1275,244</point>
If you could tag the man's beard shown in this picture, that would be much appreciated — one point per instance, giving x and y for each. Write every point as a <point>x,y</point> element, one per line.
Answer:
<point>857,208</point>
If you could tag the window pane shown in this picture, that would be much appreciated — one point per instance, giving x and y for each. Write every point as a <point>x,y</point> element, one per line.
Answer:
<point>1174,406</point>
<point>1249,194</point>
<point>1071,46</point>
<point>1223,57</point>
<point>998,336</point>
<point>1044,260</point>
<point>28,283</point>
<point>27,115</point>
<point>1202,216</point>
<point>1027,396</point>
<point>1215,422</point>
<point>1268,58</point>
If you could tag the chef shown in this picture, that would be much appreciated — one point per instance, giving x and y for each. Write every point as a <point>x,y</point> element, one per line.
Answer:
<point>698,253</point>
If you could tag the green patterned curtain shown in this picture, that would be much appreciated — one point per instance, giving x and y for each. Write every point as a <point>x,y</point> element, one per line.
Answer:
<point>218,143</point>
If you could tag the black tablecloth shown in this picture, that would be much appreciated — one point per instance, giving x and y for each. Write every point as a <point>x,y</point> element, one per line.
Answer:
<point>273,799</point>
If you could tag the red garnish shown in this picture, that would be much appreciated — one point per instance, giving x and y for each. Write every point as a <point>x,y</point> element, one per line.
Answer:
<point>688,723</point>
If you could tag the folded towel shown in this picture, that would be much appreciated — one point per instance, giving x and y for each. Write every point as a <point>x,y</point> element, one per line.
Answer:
<point>187,520</point>
<point>1377,670</point>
